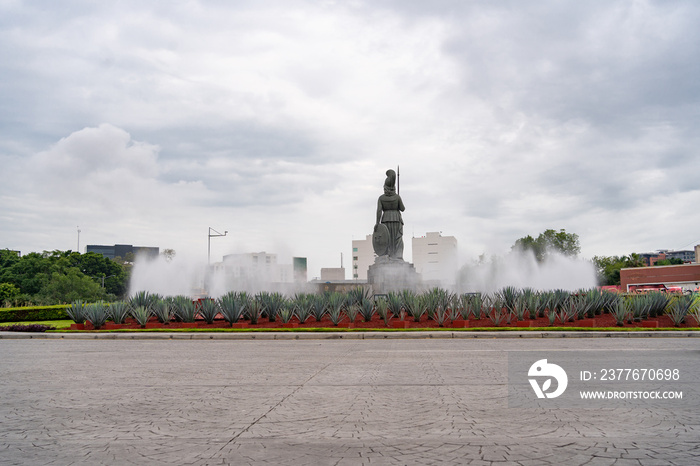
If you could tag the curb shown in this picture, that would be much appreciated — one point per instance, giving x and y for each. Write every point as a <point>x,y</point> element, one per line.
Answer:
<point>337,335</point>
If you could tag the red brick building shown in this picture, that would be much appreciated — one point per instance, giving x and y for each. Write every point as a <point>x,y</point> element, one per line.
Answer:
<point>686,276</point>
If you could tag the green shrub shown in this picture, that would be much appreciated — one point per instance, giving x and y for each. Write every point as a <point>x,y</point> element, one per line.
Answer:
<point>33,313</point>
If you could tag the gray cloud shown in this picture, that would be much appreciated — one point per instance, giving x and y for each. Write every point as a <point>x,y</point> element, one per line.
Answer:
<point>147,123</point>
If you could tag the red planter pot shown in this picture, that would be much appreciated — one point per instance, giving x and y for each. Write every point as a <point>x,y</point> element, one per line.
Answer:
<point>77,326</point>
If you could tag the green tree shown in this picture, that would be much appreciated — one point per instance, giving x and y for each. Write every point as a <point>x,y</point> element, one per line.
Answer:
<point>608,267</point>
<point>549,241</point>
<point>671,261</point>
<point>8,293</point>
<point>69,286</point>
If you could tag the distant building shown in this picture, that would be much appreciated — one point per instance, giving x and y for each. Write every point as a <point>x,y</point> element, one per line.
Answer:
<point>333,274</point>
<point>121,250</point>
<point>686,276</point>
<point>651,258</point>
<point>300,269</point>
<point>260,265</point>
<point>685,256</point>
<point>435,258</point>
<point>362,257</point>
<point>697,253</point>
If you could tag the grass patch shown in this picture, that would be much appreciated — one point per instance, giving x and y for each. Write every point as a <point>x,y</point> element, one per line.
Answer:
<point>58,324</point>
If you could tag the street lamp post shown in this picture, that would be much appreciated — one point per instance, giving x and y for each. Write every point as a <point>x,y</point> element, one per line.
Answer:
<point>210,236</point>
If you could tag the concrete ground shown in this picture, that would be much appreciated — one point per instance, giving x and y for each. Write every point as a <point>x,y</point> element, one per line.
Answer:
<point>317,402</point>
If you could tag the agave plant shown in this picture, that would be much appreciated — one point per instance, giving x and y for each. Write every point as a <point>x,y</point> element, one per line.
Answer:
<point>579,305</point>
<point>357,294</point>
<point>551,316</point>
<point>610,299</point>
<point>521,307</point>
<point>185,309</point>
<point>454,313</point>
<point>96,314</point>
<point>302,306</point>
<point>231,307</point>
<point>499,312</point>
<point>208,309</point>
<point>76,311</point>
<point>619,311</point>
<point>336,301</point>
<point>441,315</point>
<point>254,309</point>
<point>509,295</point>
<point>335,313</point>
<point>477,304</point>
<point>318,307</point>
<point>367,309</point>
<point>272,303</point>
<point>286,312</point>
<point>546,299</point>
<point>413,304</point>
<point>559,300</point>
<point>394,303</point>
<point>118,311</point>
<point>695,309</point>
<point>657,303</point>
<point>351,310</point>
<point>595,302</point>
<point>534,305</point>
<point>567,310</point>
<point>679,308</point>
<point>639,306</point>
<point>141,314</point>
<point>163,311</point>
<point>382,306</point>
<point>143,298</point>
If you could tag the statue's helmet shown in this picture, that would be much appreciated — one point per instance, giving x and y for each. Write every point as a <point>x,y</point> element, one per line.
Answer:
<point>390,179</point>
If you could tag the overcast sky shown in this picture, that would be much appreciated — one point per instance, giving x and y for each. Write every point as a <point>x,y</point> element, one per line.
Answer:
<point>145,123</point>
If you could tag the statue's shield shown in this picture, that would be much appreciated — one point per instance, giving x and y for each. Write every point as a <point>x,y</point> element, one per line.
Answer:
<point>380,240</point>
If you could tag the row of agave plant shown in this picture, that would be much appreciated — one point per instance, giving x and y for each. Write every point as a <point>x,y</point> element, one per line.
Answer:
<point>503,307</point>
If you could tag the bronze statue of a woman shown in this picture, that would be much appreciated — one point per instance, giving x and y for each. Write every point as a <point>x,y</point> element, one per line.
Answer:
<point>388,231</point>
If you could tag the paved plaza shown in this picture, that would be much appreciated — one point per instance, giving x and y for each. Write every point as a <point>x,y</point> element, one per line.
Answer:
<point>317,402</point>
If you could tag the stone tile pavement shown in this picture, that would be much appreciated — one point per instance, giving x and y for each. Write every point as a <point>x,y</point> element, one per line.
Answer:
<point>316,402</point>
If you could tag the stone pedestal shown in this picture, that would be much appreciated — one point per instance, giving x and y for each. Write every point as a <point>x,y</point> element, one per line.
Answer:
<point>387,275</point>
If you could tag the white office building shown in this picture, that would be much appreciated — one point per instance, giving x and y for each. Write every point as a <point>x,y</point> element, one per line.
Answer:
<point>362,257</point>
<point>435,258</point>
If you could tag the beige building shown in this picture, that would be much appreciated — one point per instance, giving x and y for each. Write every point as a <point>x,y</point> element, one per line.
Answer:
<point>697,253</point>
<point>362,257</point>
<point>332,274</point>
<point>435,258</point>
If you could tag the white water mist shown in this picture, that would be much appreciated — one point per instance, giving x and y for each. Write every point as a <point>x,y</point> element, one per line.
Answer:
<point>520,269</point>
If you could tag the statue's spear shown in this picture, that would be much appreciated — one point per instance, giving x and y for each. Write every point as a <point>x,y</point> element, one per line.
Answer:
<point>398,180</point>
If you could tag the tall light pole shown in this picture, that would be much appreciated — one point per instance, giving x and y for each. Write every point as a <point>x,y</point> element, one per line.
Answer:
<point>210,236</point>
<point>78,250</point>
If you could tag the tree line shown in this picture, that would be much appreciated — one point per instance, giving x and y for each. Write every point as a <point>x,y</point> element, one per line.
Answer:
<point>57,277</point>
